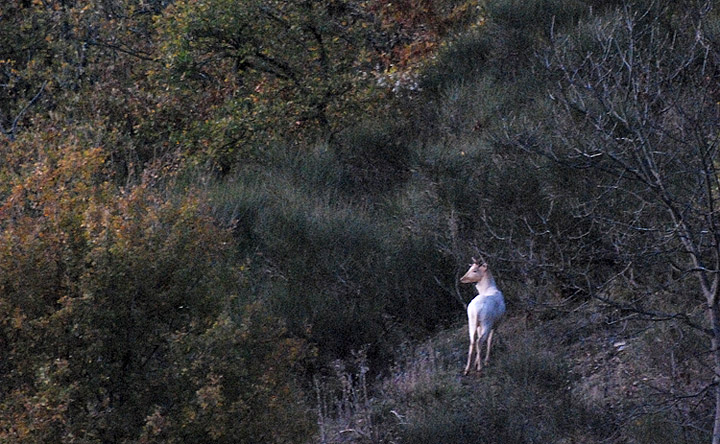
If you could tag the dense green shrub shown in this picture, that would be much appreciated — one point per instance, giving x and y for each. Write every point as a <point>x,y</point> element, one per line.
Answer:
<point>124,314</point>
<point>506,44</point>
<point>341,271</point>
<point>461,59</point>
<point>374,156</point>
<point>535,18</point>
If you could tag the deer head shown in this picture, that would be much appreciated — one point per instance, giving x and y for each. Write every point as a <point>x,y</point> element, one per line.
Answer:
<point>477,272</point>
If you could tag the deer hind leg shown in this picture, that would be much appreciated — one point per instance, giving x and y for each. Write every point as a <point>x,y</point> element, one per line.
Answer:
<point>482,334</point>
<point>489,344</point>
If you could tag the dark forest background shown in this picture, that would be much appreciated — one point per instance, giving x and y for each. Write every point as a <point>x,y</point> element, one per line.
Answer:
<point>229,221</point>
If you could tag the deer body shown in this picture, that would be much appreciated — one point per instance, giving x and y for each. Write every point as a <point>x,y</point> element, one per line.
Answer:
<point>484,311</point>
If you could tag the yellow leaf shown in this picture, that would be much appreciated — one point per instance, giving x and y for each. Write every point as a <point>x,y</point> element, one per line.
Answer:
<point>18,318</point>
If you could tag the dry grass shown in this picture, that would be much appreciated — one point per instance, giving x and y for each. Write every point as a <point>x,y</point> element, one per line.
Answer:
<point>571,377</point>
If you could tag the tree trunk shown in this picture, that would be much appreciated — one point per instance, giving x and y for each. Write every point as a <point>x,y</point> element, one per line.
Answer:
<point>715,323</point>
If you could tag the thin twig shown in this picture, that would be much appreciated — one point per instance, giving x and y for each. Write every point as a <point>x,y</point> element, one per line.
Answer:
<point>13,126</point>
<point>455,294</point>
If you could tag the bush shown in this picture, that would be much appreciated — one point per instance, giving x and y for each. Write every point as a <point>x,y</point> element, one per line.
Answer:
<point>663,428</point>
<point>128,320</point>
<point>505,46</point>
<point>460,60</point>
<point>343,266</point>
<point>374,157</point>
<point>536,16</point>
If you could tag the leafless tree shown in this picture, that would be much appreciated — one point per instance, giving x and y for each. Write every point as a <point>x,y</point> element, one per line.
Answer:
<point>636,104</point>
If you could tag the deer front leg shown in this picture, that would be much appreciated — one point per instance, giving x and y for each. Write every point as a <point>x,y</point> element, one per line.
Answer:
<point>473,333</point>
<point>470,352</point>
<point>478,354</point>
<point>469,360</point>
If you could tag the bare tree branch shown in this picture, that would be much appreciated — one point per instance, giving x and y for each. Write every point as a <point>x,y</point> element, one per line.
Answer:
<point>12,130</point>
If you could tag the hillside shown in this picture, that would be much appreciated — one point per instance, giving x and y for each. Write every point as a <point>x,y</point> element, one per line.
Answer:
<point>230,222</point>
<point>585,376</point>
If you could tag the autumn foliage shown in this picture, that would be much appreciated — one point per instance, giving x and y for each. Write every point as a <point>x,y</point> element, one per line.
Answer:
<point>228,221</point>
<point>125,317</point>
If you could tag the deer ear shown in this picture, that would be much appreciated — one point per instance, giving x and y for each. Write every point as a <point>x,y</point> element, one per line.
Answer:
<point>475,261</point>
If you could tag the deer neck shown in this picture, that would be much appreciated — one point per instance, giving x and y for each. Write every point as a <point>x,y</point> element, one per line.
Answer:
<point>486,285</point>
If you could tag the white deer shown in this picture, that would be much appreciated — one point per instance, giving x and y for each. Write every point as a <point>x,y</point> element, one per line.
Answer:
<point>484,311</point>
